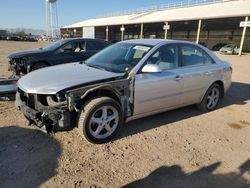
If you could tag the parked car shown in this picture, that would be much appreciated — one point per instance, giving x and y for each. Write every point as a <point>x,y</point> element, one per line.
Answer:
<point>30,39</point>
<point>14,38</point>
<point>126,81</point>
<point>2,37</point>
<point>218,46</point>
<point>230,49</point>
<point>60,52</point>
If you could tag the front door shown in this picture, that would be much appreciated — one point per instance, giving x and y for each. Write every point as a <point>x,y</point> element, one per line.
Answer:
<point>158,91</point>
<point>67,54</point>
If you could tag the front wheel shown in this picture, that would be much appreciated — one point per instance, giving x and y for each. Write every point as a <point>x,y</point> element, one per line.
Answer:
<point>100,120</point>
<point>211,98</point>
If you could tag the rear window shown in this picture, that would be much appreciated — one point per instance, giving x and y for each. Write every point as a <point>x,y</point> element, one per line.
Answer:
<point>95,45</point>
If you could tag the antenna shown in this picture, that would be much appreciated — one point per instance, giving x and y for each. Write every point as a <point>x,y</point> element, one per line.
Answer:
<point>51,18</point>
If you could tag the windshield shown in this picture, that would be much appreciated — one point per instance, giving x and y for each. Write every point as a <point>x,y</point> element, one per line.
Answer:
<point>229,46</point>
<point>119,58</point>
<point>55,45</point>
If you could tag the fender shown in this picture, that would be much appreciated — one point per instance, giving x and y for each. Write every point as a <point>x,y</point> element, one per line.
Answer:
<point>118,89</point>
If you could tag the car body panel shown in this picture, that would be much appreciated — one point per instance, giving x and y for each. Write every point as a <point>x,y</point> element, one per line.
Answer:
<point>54,79</point>
<point>196,81</point>
<point>24,53</point>
<point>152,91</point>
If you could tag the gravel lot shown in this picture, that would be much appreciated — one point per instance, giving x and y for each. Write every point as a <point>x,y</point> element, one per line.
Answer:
<point>180,148</point>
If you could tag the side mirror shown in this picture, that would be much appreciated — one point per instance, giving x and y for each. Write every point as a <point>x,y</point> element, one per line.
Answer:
<point>151,68</point>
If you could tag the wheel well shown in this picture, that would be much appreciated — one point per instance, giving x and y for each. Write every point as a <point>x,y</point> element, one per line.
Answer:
<point>221,84</point>
<point>92,95</point>
<point>101,93</point>
<point>35,63</point>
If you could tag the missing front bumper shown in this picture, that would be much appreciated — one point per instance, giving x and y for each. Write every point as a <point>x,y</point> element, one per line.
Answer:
<point>53,121</point>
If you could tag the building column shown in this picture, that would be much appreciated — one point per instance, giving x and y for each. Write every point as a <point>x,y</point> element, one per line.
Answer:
<point>243,37</point>
<point>107,33</point>
<point>141,36</point>
<point>166,30</point>
<point>198,32</point>
<point>74,32</point>
<point>122,30</point>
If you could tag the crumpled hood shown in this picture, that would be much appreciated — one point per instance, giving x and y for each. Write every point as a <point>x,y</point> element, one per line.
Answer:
<point>25,53</point>
<point>51,80</point>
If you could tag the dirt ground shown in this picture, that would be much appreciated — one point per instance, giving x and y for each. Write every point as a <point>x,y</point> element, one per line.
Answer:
<point>181,148</point>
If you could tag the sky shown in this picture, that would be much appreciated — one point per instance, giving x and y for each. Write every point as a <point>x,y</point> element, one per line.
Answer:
<point>31,13</point>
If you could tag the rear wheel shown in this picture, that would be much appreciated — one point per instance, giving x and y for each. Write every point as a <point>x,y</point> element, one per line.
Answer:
<point>100,120</point>
<point>39,66</point>
<point>211,98</point>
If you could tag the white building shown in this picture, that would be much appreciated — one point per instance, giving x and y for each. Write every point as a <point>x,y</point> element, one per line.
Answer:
<point>208,22</point>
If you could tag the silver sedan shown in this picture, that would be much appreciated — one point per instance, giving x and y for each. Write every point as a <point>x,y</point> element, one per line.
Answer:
<point>128,80</point>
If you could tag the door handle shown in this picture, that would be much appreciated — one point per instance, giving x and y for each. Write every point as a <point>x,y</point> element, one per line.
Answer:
<point>178,78</point>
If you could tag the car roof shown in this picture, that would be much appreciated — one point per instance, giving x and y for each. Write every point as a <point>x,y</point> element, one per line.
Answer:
<point>154,42</point>
<point>80,39</point>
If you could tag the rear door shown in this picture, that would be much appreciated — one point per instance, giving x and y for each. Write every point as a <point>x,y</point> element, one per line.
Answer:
<point>198,71</point>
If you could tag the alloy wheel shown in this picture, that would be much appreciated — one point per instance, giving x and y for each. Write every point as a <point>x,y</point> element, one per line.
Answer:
<point>103,122</point>
<point>213,98</point>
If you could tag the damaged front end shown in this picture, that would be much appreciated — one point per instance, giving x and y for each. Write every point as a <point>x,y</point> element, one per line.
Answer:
<point>46,112</point>
<point>18,66</point>
<point>54,113</point>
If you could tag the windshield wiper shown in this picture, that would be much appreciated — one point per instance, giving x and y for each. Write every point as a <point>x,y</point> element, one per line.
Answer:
<point>101,68</point>
<point>82,62</point>
<point>96,66</point>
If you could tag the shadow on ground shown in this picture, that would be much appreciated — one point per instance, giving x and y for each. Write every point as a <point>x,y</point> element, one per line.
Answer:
<point>174,176</point>
<point>28,157</point>
<point>238,94</point>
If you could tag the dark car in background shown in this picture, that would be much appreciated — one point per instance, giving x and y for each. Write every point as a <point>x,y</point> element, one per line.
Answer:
<point>203,44</point>
<point>218,46</point>
<point>2,37</point>
<point>60,52</point>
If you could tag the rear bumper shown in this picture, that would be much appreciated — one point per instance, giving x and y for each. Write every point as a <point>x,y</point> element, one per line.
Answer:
<point>49,120</point>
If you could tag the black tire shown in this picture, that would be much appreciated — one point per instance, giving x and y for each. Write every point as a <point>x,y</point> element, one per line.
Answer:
<point>90,110</point>
<point>204,105</point>
<point>39,66</point>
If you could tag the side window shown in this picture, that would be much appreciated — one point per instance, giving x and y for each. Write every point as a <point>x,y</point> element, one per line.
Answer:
<point>94,45</point>
<point>207,59</point>
<point>139,54</point>
<point>194,56</point>
<point>82,46</point>
<point>166,57</point>
<point>71,47</point>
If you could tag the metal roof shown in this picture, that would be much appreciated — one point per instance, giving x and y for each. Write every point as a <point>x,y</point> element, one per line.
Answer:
<point>224,9</point>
